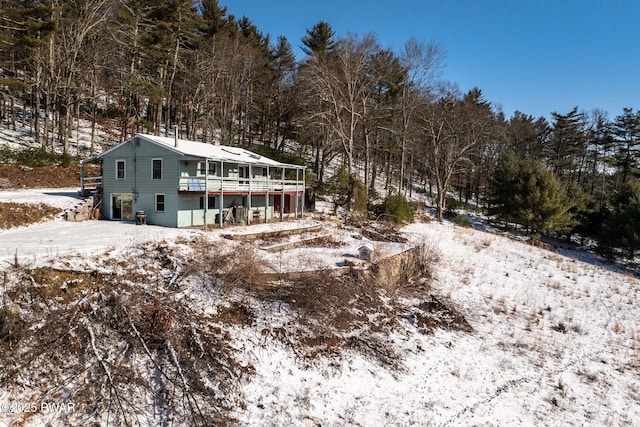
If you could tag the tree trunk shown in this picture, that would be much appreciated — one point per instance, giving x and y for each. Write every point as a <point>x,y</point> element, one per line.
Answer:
<point>440,203</point>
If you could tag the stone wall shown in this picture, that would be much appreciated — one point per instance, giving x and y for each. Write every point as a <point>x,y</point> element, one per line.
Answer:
<point>83,211</point>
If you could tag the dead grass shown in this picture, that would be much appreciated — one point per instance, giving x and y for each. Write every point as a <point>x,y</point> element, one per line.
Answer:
<point>234,266</point>
<point>325,242</point>
<point>66,285</point>
<point>352,310</point>
<point>17,176</point>
<point>18,214</point>
<point>438,313</point>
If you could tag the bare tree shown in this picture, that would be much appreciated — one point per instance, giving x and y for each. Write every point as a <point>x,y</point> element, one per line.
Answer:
<point>79,19</point>
<point>423,64</point>
<point>452,128</point>
<point>339,81</point>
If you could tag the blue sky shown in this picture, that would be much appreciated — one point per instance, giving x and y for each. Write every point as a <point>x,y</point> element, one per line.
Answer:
<point>534,56</point>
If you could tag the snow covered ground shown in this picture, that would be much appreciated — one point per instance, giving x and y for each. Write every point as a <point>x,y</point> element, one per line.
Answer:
<point>40,243</point>
<point>555,341</point>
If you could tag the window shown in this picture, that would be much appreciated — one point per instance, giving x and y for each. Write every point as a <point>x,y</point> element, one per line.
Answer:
<point>120,169</point>
<point>211,204</point>
<point>244,173</point>
<point>159,202</point>
<point>211,166</point>
<point>156,169</point>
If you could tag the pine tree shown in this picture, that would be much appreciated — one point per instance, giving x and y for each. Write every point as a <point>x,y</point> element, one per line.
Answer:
<point>25,27</point>
<point>214,19</point>
<point>622,223</point>
<point>626,128</point>
<point>281,97</point>
<point>567,145</point>
<point>527,193</point>
<point>319,39</point>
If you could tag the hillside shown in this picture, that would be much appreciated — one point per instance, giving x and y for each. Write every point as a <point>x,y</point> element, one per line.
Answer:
<point>184,327</point>
<point>108,323</point>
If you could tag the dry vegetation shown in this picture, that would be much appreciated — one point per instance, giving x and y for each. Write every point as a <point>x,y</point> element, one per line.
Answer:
<point>333,310</point>
<point>19,214</point>
<point>119,342</point>
<point>13,176</point>
<point>114,348</point>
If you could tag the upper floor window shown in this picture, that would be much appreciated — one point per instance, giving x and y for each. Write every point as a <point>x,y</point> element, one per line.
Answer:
<point>210,165</point>
<point>156,169</point>
<point>120,169</point>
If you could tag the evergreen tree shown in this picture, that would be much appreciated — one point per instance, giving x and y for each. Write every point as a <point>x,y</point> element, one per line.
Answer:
<point>526,136</point>
<point>25,28</point>
<point>214,19</point>
<point>317,44</point>
<point>567,145</point>
<point>281,96</point>
<point>387,77</point>
<point>599,149</point>
<point>626,128</point>
<point>319,39</point>
<point>527,193</point>
<point>621,227</point>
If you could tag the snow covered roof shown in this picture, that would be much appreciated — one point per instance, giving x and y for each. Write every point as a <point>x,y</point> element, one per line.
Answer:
<point>209,151</point>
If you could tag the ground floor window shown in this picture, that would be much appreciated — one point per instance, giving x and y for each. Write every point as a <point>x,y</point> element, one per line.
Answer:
<point>159,202</point>
<point>211,202</point>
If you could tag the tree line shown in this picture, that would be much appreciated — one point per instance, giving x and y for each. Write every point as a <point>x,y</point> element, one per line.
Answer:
<point>387,116</point>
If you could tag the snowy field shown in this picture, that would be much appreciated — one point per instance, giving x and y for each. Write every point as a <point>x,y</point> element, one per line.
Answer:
<point>555,341</point>
<point>41,243</point>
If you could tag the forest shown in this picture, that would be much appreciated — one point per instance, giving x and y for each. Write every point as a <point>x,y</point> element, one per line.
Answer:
<point>389,118</point>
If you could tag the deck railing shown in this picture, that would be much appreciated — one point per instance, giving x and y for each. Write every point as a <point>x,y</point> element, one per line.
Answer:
<point>89,184</point>
<point>217,184</point>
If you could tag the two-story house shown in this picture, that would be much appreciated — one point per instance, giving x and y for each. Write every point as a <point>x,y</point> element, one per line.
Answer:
<point>179,183</point>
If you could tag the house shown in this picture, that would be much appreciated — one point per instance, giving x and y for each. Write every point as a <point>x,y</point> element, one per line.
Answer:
<point>179,183</point>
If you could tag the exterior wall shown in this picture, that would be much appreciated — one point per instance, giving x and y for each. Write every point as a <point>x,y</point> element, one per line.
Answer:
<point>189,213</point>
<point>258,209</point>
<point>138,155</point>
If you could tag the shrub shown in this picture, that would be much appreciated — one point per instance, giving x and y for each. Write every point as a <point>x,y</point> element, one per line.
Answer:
<point>397,208</point>
<point>461,220</point>
<point>360,196</point>
<point>348,191</point>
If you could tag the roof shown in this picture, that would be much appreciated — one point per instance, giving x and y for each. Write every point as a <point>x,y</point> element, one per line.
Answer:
<point>206,151</point>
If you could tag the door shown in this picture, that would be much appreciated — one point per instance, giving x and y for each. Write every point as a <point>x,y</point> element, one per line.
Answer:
<point>122,206</point>
<point>276,203</point>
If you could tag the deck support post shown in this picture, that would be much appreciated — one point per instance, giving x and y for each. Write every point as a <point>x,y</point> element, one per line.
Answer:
<point>221,207</point>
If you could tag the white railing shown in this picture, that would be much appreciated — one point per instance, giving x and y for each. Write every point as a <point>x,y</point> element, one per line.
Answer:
<point>198,184</point>
<point>91,183</point>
